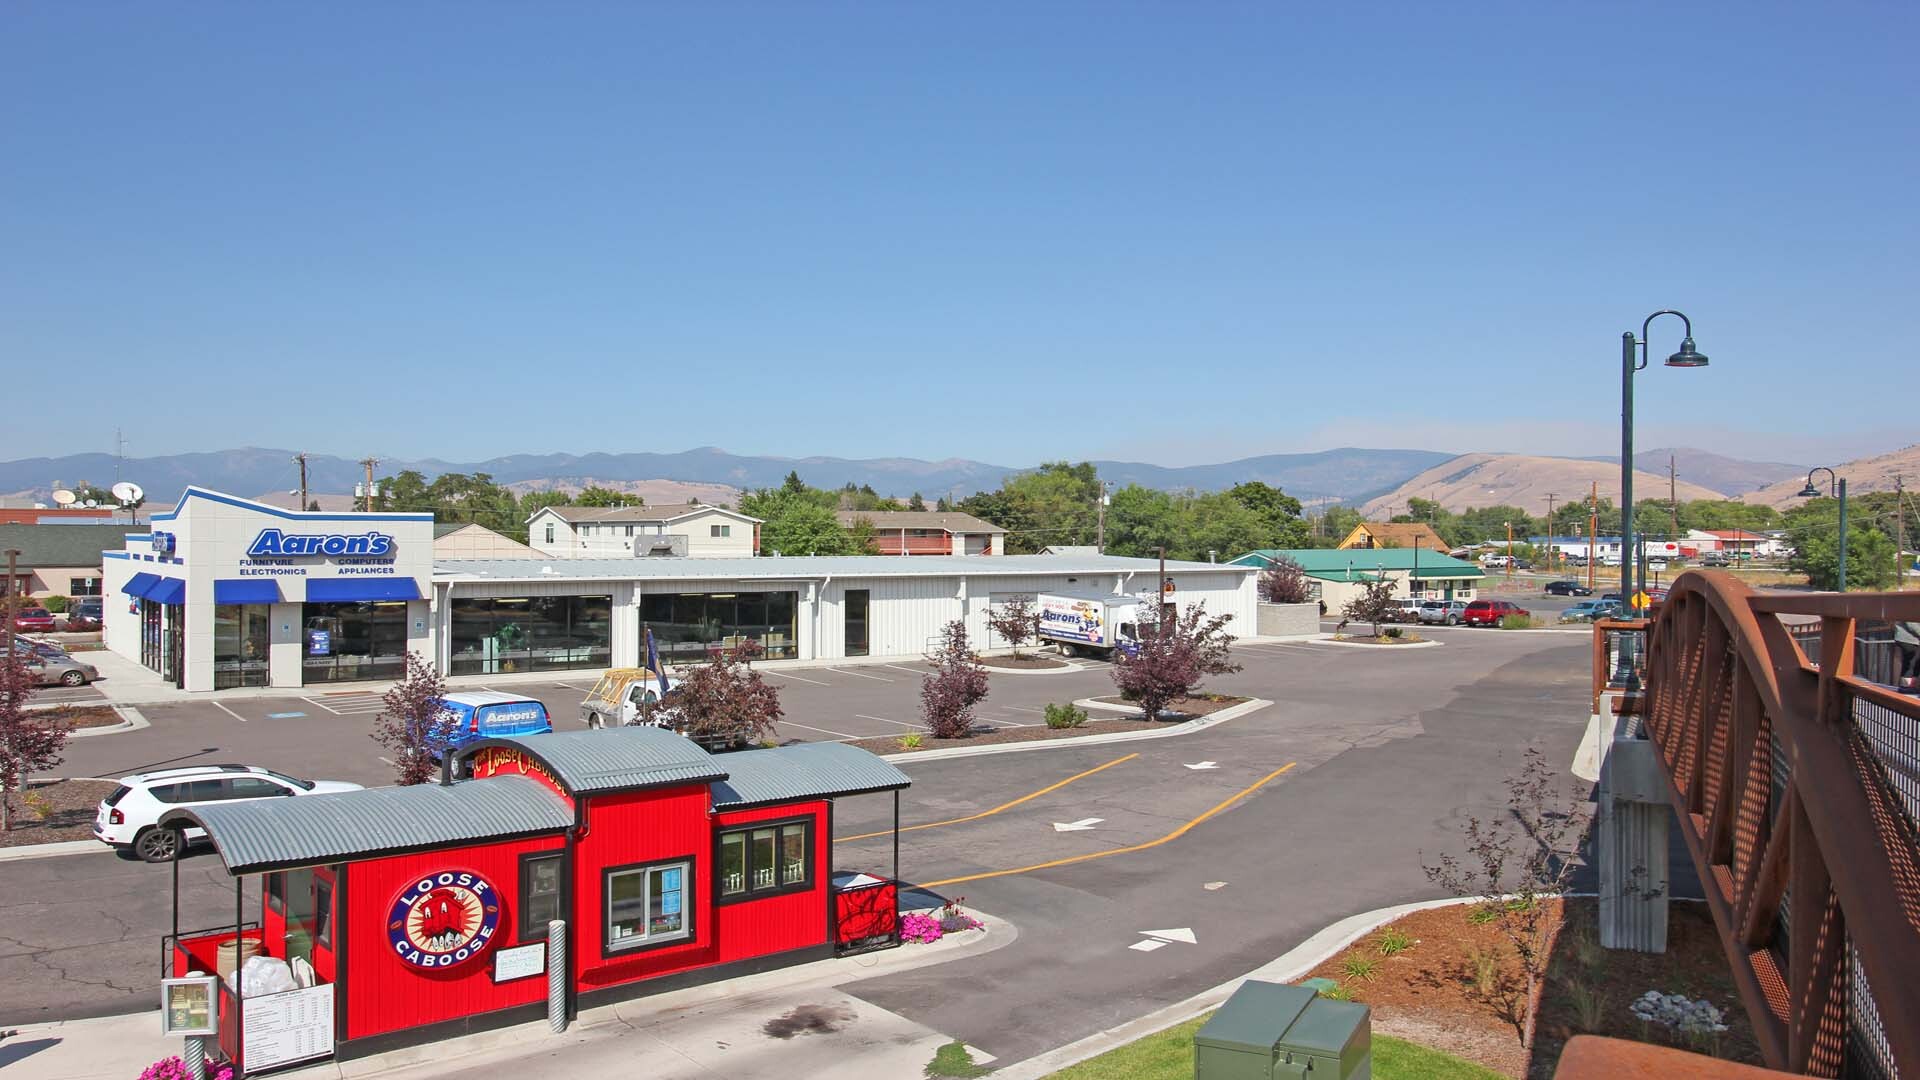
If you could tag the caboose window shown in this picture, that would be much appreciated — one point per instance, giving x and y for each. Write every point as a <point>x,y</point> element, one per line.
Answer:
<point>648,904</point>
<point>773,857</point>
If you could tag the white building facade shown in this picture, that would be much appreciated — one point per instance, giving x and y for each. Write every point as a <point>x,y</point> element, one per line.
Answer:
<point>690,529</point>
<point>231,593</point>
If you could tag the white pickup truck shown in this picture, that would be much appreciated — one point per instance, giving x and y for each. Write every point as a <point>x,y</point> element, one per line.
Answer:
<point>616,699</point>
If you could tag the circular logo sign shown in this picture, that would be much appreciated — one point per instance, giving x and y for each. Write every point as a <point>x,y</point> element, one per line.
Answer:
<point>444,919</point>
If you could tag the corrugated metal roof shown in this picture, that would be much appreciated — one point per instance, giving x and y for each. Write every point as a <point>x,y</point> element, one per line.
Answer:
<point>1340,562</point>
<point>614,759</point>
<point>773,568</point>
<point>802,771</point>
<point>945,520</point>
<point>308,830</point>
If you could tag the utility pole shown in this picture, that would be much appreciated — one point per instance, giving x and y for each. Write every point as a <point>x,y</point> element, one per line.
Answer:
<point>1165,613</point>
<point>1899,532</point>
<point>1673,502</point>
<point>1509,551</point>
<point>1552,549</point>
<point>369,463</point>
<point>301,459</point>
<point>6,628</point>
<point>119,453</point>
<point>1593,530</point>
<point>1100,538</point>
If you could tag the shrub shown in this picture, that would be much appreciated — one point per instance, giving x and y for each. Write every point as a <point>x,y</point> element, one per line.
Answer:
<point>1393,941</point>
<point>911,742</point>
<point>29,742</point>
<point>1393,633</point>
<point>1516,622</point>
<point>1338,993</point>
<point>1174,655</point>
<point>1284,582</point>
<point>1485,967</point>
<point>725,700</point>
<point>56,605</point>
<point>1372,604</point>
<point>1360,967</point>
<point>1065,716</point>
<point>172,1068</point>
<point>948,695</point>
<point>1589,1005</point>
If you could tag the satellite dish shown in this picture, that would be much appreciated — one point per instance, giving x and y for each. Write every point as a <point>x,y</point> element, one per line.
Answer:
<point>63,497</point>
<point>128,492</point>
<point>90,504</point>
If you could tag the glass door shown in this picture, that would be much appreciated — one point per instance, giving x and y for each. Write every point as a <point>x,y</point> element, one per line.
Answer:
<point>856,613</point>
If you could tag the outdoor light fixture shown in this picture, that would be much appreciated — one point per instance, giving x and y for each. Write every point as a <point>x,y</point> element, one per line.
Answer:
<point>1839,488</point>
<point>1633,357</point>
<point>1687,356</point>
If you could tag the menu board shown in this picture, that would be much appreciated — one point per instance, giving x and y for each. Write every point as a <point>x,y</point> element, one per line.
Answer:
<point>287,1027</point>
<point>518,963</point>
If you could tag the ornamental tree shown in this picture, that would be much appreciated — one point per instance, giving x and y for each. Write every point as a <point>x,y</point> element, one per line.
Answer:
<point>1285,582</point>
<point>1371,604</point>
<point>1016,621</point>
<point>29,742</point>
<point>958,683</point>
<point>414,724</point>
<point>724,701</point>
<point>1176,652</point>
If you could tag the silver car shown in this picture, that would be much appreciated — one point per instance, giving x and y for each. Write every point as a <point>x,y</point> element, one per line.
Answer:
<point>1437,612</point>
<point>59,671</point>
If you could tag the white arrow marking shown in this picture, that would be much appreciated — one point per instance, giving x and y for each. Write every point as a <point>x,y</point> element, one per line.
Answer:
<point>1212,886</point>
<point>1077,826</point>
<point>1177,934</point>
<point>1204,765</point>
<point>1147,946</point>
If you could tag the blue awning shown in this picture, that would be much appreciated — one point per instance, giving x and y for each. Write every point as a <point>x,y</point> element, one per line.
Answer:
<point>245,591</point>
<point>140,584</point>
<point>349,589</point>
<point>171,590</point>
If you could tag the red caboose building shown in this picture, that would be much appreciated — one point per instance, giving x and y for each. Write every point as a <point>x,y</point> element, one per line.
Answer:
<point>412,914</point>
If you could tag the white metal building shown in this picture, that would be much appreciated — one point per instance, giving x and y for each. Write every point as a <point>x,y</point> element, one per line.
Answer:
<point>228,592</point>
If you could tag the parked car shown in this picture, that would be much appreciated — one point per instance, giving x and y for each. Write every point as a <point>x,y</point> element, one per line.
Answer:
<point>1490,559</point>
<point>1404,610</point>
<point>33,620</point>
<point>61,670</point>
<point>1613,596</point>
<point>1442,612</point>
<point>84,614</point>
<point>1715,558</point>
<point>1567,588</point>
<point>487,714</point>
<point>1522,564</point>
<point>1490,612</point>
<point>26,647</point>
<point>129,819</point>
<point>1591,610</point>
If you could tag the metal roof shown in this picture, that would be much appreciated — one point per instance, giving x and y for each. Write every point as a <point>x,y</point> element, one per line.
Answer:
<point>944,520</point>
<point>1347,563</point>
<point>308,830</point>
<point>802,771</point>
<point>775,568</point>
<point>651,515</point>
<point>613,759</point>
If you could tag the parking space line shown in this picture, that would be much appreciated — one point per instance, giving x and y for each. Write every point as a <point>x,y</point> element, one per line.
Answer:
<point>908,670</point>
<point>860,675</point>
<point>1090,856</point>
<point>843,736</point>
<point>884,720</point>
<point>228,711</point>
<point>796,678</point>
<point>1023,708</point>
<point>323,705</point>
<point>997,809</point>
<point>570,686</point>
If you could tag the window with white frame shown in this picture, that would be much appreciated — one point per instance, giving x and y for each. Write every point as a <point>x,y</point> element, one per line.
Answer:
<point>646,905</point>
<point>549,532</point>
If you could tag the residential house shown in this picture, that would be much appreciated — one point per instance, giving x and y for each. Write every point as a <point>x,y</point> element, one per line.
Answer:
<point>691,529</point>
<point>60,560</point>
<point>929,532</point>
<point>454,540</point>
<point>1394,534</point>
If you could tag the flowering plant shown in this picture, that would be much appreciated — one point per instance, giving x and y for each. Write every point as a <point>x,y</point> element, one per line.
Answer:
<point>953,919</point>
<point>172,1068</point>
<point>920,927</point>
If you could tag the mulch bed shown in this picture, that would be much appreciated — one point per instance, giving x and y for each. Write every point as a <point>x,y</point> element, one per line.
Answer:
<point>1184,708</point>
<point>1429,993</point>
<point>83,716</point>
<point>69,806</point>
<point>1024,662</point>
<point>986,736</point>
<point>1404,639</point>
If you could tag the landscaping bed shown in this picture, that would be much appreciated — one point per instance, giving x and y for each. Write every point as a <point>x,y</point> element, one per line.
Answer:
<point>1182,708</point>
<point>1168,1055</point>
<point>891,744</point>
<point>84,716</point>
<point>1457,986</point>
<point>1024,662</point>
<point>1383,639</point>
<point>69,807</point>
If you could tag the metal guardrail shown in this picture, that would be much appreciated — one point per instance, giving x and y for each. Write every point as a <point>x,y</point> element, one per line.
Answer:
<point>1796,782</point>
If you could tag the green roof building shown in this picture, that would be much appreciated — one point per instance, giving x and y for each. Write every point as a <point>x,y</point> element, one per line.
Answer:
<point>1338,573</point>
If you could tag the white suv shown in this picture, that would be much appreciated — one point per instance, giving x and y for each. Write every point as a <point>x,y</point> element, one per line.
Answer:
<point>129,819</point>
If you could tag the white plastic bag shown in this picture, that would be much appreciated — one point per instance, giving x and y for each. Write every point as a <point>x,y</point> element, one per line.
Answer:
<point>261,976</point>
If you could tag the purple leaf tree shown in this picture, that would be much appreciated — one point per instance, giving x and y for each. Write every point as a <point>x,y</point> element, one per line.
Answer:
<point>1016,621</point>
<point>1176,653</point>
<point>414,726</point>
<point>29,742</point>
<point>958,683</point>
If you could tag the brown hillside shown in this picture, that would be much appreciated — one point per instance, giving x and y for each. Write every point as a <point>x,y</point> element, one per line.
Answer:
<point>1522,480</point>
<point>1867,474</point>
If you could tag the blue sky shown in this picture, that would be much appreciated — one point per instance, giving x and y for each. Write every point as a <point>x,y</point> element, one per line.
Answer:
<point>1177,233</point>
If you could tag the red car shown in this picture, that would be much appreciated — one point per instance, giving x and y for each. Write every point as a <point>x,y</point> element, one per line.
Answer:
<point>1490,612</point>
<point>33,620</point>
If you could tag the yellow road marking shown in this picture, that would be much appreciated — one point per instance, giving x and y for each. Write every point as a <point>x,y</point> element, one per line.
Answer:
<point>995,810</point>
<point>1174,835</point>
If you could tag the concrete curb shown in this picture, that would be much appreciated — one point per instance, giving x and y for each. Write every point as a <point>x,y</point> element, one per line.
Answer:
<point>1289,967</point>
<point>48,851</point>
<point>130,720</point>
<point>1069,668</point>
<point>1188,728</point>
<point>1427,643</point>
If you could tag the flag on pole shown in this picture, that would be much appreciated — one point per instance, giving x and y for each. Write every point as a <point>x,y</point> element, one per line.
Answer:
<point>653,662</point>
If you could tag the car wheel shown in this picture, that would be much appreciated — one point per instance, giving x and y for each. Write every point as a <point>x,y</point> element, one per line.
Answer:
<point>1451,621</point>
<point>158,845</point>
<point>73,678</point>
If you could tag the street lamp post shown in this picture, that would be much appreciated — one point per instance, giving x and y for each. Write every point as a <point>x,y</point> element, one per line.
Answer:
<point>1837,485</point>
<point>1633,357</point>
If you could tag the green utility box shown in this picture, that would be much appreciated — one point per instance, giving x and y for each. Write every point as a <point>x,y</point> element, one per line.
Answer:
<point>1269,1031</point>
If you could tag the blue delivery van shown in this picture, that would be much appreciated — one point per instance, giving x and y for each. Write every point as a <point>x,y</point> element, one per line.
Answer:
<point>487,714</point>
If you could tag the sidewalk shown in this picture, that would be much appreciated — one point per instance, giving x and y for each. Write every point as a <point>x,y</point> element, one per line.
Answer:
<point>777,1025</point>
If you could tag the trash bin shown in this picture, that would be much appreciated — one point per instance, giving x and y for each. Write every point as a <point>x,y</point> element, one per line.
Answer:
<point>1269,1031</point>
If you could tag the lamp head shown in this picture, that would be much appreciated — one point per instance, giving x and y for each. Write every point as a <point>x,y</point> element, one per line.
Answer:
<point>1809,492</point>
<point>1688,356</point>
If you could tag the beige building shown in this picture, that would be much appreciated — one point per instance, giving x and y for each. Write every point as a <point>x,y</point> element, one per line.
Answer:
<point>59,560</point>
<point>695,530</point>
<point>929,532</point>
<point>452,540</point>
<point>1394,534</point>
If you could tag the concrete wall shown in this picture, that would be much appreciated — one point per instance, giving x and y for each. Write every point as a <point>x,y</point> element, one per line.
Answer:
<point>1288,620</point>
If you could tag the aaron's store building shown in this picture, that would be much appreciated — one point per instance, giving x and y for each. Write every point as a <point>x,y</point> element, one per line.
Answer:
<point>226,592</point>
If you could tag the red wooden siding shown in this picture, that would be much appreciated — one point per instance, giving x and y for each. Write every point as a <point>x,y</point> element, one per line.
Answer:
<point>647,827</point>
<point>773,924</point>
<point>384,993</point>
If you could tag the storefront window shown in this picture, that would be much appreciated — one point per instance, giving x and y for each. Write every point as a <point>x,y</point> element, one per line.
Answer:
<point>498,634</point>
<point>354,641</point>
<point>240,644</point>
<point>765,859</point>
<point>691,627</point>
<point>83,586</point>
<point>646,904</point>
<point>160,639</point>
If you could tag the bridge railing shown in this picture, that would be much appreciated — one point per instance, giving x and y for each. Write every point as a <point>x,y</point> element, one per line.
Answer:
<point>1796,783</point>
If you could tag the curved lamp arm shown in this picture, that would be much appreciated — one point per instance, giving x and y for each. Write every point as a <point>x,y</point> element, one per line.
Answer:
<point>1648,324</point>
<point>1833,479</point>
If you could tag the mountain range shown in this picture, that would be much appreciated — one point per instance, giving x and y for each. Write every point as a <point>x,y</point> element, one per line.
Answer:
<point>1382,480</point>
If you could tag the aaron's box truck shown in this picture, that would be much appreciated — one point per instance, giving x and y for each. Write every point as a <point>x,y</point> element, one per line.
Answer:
<point>1090,623</point>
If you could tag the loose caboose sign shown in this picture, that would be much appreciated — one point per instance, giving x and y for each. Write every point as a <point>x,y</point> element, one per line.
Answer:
<point>444,919</point>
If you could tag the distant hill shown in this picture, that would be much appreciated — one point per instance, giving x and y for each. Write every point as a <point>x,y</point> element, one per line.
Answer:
<point>653,492</point>
<point>1729,476</point>
<point>1521,480</point>
<point>1348,474</point>
<point>1867,474</point>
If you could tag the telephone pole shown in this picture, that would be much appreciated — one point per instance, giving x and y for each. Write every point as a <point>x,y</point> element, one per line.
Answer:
<point>1552,550</point>
<point>1509,551</point>
<point>1100,538</point>
<point>301,459</point>
<point>1673,502</point>
<point>6,628</point>
<point>369,463</point>
<point>1593,530</point>
<point>1900,532</point>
